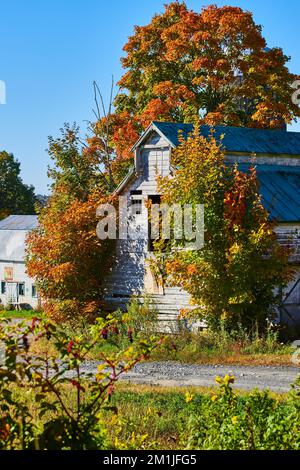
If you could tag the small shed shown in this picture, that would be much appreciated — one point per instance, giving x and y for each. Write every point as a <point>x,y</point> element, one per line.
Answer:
<point>278,168</point>
<point>17,288</point>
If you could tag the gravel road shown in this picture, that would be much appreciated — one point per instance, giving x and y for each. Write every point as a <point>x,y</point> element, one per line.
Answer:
<point>173,374</point>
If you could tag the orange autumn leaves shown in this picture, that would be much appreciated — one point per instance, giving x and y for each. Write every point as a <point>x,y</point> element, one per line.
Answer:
<point>213,65</point>
<point>68,260</point>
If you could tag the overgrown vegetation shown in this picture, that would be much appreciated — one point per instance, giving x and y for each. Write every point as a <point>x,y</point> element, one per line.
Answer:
<point>35,407</point>
<point>234,278</point>
<point>216,419</point>
<point>141,322</point>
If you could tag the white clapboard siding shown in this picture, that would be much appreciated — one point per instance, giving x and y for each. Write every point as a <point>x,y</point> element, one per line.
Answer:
<point>19,276</point>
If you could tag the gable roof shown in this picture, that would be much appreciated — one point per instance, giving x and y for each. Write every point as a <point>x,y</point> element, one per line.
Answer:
<point>237,139</point>
<point>19,222</point>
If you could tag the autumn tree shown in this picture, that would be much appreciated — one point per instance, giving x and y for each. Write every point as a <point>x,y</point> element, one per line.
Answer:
<point>234,278</point>
<point>15,196</point>
<point>214,65</point>
<point>65,256</point>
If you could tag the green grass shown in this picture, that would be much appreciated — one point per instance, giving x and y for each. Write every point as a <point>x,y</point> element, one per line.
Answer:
<point>162,414</point>
<point>19,314</point>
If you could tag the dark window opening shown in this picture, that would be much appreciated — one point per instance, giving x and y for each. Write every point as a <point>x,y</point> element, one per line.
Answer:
<point>21,289</point>
<point>33,291</point>
<point>3,287</point>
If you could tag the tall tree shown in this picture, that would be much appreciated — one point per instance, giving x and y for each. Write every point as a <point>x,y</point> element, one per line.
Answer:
<point>235,275</point>
<point>65,255</point>
<point>214,66</point>
<point>15,196</point>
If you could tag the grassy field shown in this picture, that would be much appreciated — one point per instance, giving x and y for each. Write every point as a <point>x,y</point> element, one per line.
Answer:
<point>150,417</point>
<point>160,416</point>
<point>19,314</point>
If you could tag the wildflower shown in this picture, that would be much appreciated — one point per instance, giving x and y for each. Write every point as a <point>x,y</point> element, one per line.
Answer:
<point>192,269</point>
<point>4,431</point>
<point>70,346</point>
<point>229,379</point>
<point>115,329</point>
<point>189,397</point>
<point>234,420</point>
<point>33,323</point>
<point>214,398</point>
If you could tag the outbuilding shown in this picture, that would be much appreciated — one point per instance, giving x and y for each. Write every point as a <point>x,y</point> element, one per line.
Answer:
<point>17,288</point>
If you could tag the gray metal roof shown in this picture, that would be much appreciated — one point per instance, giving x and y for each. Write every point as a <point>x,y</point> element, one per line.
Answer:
<point>12,245</point>
<point>19,222</point>
<point>13,232</point>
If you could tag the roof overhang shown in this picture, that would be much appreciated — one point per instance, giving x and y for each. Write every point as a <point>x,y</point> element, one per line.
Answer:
<point>151,128</point>
<point>124,183</point>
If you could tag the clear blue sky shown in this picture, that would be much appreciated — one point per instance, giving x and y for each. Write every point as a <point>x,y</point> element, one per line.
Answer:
<point>52,50</point>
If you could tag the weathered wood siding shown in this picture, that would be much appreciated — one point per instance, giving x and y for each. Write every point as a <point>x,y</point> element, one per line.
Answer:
<point>131,275</point>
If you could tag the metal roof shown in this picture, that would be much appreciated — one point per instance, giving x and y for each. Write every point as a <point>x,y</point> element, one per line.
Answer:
<point>13,232</point>
<point>280,190</point>
<point>19,222</point>
<point>238,139</point>
<point>12,245</point>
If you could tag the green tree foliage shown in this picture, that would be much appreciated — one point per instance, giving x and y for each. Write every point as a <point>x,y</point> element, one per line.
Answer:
<point>15,196</point>
<point>234,277</point>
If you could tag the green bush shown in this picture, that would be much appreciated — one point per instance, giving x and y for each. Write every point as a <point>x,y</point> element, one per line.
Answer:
<point>254,422</point>
<point>48,402</point>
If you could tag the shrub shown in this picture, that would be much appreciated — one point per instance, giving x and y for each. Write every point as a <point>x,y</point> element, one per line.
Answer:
<point>254,422</point>
<point>50,402</point>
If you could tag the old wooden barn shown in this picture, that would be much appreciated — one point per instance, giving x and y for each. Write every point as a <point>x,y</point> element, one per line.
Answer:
<point>278,167</point>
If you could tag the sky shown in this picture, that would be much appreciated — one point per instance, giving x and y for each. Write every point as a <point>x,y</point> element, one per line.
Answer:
<point>51,51</point>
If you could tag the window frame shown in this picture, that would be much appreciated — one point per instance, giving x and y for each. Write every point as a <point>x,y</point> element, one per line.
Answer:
<point>3,287</point>
<point>21,285</point>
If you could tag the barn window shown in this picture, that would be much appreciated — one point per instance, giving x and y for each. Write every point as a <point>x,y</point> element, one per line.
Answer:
<point>33,291</point>
<point>136,202</point>
<point>3,287</point>
<point>21,289</point>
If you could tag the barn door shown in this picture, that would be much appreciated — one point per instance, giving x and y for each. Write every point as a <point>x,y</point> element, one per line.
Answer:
<point>11,293</point>
<point>290,305</point>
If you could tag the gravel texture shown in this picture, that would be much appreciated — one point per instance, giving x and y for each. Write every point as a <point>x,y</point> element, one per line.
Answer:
<point>173,374</point>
